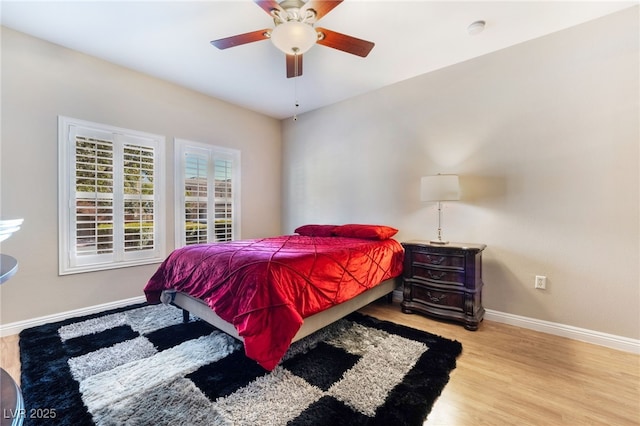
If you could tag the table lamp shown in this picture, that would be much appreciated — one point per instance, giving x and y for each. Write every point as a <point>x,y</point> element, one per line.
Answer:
<point>439,188</point>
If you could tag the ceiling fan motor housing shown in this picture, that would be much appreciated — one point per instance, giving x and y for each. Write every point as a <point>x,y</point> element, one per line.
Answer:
<point>292,11</point>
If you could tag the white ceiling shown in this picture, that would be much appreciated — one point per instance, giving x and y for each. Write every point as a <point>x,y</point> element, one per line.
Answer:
<point>170,40</point>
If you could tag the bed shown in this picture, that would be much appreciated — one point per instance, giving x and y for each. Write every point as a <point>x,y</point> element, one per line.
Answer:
<point>270,292</point>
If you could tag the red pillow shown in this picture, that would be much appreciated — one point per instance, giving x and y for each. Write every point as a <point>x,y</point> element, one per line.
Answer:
<point>315,230</point>
<point>369,232</point>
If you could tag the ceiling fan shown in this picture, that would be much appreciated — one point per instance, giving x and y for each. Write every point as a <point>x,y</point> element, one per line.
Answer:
<point>294,33</point>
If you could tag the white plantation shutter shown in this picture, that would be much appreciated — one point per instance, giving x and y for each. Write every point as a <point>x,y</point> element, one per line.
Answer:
<point>139,198</point>
<point>110,209</point>
<point>196,189</point>
<point>224,191</point>
<point>207,206</point>
<point>93,196</point>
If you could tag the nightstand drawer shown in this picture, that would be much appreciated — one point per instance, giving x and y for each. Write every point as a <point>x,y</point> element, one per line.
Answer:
<point>442,299</point>
<point>439,275</point>
<point>437,259</point>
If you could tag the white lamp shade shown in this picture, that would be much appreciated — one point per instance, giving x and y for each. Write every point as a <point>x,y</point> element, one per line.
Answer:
<point>440,188</point>
<point>294,37</point>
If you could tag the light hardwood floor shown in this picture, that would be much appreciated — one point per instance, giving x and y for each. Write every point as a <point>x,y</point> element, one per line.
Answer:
<point>510,376</point>
<point>513,376</point>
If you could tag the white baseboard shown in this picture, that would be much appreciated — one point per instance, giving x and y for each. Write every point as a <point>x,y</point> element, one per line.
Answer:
<point>603,339</point>
<point>17,327</point>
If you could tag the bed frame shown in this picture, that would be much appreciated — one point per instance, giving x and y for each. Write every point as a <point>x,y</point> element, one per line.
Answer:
<point>315,322</point>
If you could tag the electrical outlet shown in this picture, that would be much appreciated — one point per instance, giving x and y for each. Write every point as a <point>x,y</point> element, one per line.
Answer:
<point>541,282</point>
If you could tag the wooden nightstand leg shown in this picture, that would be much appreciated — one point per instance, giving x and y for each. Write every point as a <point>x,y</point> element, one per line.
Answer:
<point>471,327</point>
<point>404,309</point>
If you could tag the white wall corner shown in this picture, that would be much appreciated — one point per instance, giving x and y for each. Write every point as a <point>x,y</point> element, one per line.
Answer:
<point>595,337</point>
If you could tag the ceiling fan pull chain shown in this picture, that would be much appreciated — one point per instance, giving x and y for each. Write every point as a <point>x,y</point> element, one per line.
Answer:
<point>295,85</point>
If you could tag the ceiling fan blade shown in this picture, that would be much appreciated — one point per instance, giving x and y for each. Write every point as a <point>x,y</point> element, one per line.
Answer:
<point>294,66</point>
<point>237,40</point>
<point>268,5</point>
<point>322,7</point>
<point>343,42</point>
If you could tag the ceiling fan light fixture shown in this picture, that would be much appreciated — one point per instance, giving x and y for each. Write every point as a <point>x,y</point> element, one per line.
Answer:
<point>294,37</point>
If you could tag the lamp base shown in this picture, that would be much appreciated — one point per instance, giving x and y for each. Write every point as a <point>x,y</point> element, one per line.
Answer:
<point>440,242</point>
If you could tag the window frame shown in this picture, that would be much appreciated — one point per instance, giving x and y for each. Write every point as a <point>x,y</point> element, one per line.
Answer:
<point>69,262</point>
<point>213,153</point>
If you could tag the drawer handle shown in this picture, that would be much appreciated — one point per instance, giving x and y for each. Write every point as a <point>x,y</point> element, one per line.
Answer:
<point>436,299</point>
<point>436,260</point>
<point>436,276</point>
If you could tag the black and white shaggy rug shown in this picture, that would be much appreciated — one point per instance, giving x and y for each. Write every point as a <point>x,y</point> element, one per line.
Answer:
<point>142,366</point>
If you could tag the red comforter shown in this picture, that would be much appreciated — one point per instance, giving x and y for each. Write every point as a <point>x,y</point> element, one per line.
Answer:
<point>266,287</point>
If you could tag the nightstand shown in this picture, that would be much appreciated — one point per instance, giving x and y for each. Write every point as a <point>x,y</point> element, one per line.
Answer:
<point>444,281</point>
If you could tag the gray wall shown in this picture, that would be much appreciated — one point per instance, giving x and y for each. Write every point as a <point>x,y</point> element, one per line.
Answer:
<point>41,81</point>
<point>545,137</point>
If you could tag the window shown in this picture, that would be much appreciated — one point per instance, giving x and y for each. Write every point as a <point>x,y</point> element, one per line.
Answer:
<point>111,213</point>
<point>207,193</point>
